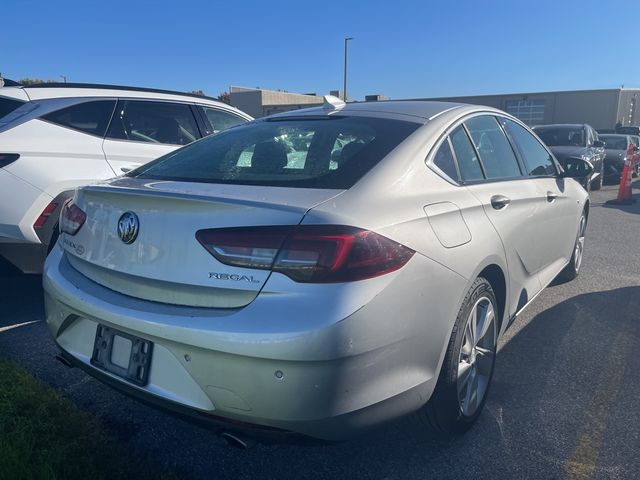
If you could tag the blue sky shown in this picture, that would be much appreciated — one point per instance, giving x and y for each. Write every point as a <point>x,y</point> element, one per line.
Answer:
<point>401,49</point>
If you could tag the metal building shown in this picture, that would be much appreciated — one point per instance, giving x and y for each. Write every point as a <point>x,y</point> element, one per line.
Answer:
<point>602,109</point>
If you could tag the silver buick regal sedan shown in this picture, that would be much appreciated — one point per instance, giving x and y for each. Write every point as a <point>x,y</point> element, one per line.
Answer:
<point>319,271</point>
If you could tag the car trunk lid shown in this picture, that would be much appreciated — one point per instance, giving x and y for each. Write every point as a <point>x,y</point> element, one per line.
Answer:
<point>165,262</point>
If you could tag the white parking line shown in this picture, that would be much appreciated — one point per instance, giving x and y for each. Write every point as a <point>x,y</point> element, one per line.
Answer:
<point>10,327</point>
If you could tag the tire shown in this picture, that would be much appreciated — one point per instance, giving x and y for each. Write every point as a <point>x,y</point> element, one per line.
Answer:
<point>597,184</point>
<point>572,269</point>
<point>453,408</point>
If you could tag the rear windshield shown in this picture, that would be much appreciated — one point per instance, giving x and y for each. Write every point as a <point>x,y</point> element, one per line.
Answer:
<point>614,143</point>
<point>320,152</point>
<point>628,130</point>
<point>561,136</point>
<point>8,105</point>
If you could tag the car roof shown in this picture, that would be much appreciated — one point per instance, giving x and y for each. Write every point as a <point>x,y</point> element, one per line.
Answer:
<point>421,110</point>
<point>44,91</point>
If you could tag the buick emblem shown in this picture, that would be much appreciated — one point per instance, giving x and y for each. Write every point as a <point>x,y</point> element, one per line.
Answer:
<point>128,227</point>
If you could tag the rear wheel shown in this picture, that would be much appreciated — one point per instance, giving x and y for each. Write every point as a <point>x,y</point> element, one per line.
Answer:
<point>572,269</point>
<point>468,365</point>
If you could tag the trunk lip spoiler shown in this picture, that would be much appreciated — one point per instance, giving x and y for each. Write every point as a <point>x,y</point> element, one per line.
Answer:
<point>224,199</point>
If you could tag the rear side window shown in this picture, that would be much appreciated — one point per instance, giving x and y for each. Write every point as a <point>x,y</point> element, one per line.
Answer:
<point>563,136</point>
<point>326,152</point>
<point>495,151</point>
<point>8,105</point>
<point>154,122</point>
<point>218,120</point>
<point>628,130</point>
<point>88,117</point>
<point>536,158</point>
<point>445,161</point>
<point>468,162</point>
<point>615,143</point>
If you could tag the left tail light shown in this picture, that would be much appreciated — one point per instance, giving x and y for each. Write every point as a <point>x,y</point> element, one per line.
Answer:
<point>71,218</point>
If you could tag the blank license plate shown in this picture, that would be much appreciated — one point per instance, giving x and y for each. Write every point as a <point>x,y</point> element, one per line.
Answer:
<point>124,355</point>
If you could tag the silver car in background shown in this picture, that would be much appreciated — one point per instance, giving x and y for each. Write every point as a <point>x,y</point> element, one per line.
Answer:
<point>318,271</point>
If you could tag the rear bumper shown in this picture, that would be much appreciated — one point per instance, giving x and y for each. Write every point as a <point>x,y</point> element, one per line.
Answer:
<point>326,382</point>
<point>214,422</point>
<point>27,257</point>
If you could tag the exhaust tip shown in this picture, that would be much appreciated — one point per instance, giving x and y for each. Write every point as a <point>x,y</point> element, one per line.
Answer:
<point>236,441</point>
<point>64,361</point>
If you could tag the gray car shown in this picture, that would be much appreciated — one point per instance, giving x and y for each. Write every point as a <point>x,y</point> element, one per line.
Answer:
<point>615,147</point>
<point>568,141</point>
<point>365,274</point>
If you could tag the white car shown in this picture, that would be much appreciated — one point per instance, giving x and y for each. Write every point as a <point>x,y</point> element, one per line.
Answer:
<point>56,137</point>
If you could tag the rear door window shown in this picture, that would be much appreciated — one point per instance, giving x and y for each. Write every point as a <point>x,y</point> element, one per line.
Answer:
<point>325,152</point>
<point>537,159</point>
<point>217,120</point>
<point>88,117</point>
<point>468,162</point>
<point>495,151</point>
<point>154,122</point>
<point>8,105</point>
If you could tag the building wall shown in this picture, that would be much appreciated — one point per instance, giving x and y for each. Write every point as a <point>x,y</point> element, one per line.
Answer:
<point>597,108</point>
<point>260,102</point>
<point>249,101</point>
<point>629,107</point>
<point>602,109</point>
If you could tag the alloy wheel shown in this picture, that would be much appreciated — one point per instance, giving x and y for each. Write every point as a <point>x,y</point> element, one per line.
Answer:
<point>475,363</point>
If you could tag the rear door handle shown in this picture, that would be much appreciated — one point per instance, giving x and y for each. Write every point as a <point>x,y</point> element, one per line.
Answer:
<point>551,196</point>
<point>499,202</point>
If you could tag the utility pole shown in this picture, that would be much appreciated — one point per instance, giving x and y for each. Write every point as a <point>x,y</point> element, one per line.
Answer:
<point>344,90</point>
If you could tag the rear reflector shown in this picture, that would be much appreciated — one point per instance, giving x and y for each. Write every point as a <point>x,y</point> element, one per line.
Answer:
<point>44,216</point>
<point>8,158</point>
<point>71,218</point>
<point>308,253</point>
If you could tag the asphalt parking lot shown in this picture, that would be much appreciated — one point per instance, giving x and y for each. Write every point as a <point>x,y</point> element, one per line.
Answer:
<point>565,402</point>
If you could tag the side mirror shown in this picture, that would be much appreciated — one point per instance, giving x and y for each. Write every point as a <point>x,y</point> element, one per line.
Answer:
<point>575,167</point>
<point>598,144</point>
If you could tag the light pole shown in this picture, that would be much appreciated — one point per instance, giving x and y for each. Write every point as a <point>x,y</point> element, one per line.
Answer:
<point>344,90</point>
<point>64,77</point>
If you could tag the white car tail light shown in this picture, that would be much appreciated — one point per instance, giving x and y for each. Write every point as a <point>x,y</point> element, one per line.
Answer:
<point>307,253</point>
<point>44,216</point>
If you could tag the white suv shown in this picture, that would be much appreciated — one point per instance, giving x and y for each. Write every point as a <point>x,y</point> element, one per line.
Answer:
<point>55,137</point>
